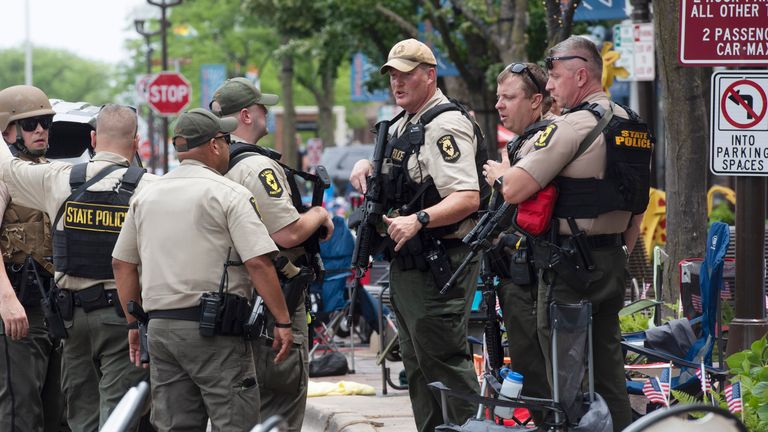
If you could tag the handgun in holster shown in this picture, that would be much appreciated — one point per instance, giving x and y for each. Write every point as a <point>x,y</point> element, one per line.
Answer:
<point>583,252</point>
<point>142,318</point>
<point>53,320</point>
<point>294,281</point>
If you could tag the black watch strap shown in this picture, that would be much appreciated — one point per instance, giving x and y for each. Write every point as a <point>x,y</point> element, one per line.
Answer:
<point>283,325</point>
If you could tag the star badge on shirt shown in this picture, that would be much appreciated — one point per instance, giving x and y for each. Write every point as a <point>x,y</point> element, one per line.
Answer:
<point>448,148</point>
<point>270,182</point>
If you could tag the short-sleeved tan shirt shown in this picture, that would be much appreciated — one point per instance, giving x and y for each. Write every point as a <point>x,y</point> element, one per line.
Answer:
<point>266,180</point>
<point>553,149</point>
<point>448,154</point>
<point>180,231</point>
<point>45,187</point>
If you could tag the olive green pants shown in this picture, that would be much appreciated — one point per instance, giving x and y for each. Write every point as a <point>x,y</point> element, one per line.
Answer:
<point>283,386</point>
<point>432,329</point>
<point>30,389</point>
<point>195,378</point>
<point>96,368</point>
<point>607,297</point>
<point>518,305</point>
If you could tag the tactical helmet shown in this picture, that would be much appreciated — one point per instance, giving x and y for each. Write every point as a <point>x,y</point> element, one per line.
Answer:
<point>20,102</point>
<point>23,101</point>
<point>4,120</point>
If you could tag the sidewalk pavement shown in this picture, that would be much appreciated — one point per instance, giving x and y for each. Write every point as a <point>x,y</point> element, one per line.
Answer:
<point>380,413</point>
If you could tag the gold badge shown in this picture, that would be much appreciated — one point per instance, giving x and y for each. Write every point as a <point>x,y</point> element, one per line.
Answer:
<point>545,137</point>
<point>448,148</point>
<point>270,182</point>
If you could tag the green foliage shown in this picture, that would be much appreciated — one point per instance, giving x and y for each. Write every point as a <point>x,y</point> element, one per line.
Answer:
<point>722,212</point>
<point>750,367</point>
<point>634,323</point>
<point>536,34</point>
<point>61,74</point>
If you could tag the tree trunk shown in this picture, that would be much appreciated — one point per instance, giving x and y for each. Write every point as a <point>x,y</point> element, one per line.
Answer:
<point>685,135</point>
<point>289,148</point>
<point>325,99</point>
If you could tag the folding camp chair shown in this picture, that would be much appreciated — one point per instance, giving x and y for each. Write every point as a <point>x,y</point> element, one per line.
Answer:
<point>677,341</point>
<point>679,419</point>
<point>570,409</point>
<point>126,414</point>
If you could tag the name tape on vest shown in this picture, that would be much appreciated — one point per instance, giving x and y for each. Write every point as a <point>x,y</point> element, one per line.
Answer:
<point>94,217</point>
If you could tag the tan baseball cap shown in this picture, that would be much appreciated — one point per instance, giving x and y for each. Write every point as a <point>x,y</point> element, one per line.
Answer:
<point>407,54</point>
<point>238,93</point>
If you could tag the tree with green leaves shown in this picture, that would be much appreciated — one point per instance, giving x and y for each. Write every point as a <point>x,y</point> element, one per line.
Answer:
<point>61,74</point>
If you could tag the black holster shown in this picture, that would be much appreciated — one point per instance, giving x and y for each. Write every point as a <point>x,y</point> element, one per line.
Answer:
<point>223,314</point>
<point>66,303</point>
<point>563,261</point>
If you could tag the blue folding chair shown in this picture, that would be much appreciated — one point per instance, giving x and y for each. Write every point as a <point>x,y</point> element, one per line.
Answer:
<point>677,341</point>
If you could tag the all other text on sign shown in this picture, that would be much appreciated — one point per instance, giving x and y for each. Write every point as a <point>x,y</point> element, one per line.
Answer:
<point>723,32</point>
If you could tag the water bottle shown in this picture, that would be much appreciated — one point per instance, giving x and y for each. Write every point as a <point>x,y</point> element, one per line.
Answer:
<point>510,389</point>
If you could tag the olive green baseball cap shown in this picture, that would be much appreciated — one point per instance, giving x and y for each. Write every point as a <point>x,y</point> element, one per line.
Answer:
<point>407,54</point>
<point>238,93</point>
<point>198,126</point>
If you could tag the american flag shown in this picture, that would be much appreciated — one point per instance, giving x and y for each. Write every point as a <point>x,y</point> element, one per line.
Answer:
<point>652,391</point>
<point>696,302</point>
<point>701,374</point>
<point>733,396</point>
<point>665,381</point>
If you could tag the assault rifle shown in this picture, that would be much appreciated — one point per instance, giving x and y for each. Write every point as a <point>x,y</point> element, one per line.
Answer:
<point>53,320</point>
<point>482,235</point>
<point>320,182</point>
<point>374,205</point>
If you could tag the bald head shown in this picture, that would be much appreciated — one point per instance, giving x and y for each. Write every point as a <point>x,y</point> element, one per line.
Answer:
<point>116,128</point>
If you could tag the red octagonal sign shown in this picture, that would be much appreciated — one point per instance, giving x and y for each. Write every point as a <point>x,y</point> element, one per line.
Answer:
<point>168,93</point>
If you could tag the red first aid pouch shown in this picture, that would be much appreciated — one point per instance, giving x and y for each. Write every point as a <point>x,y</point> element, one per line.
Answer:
<point>535,214</point>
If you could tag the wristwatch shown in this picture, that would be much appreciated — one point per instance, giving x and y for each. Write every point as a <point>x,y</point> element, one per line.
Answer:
<point>423,218</point>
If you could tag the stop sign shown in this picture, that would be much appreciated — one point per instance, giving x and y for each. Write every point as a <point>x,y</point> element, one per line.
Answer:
<point>168,93</point>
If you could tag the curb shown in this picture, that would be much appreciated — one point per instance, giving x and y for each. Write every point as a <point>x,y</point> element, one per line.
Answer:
<point>317,419</point>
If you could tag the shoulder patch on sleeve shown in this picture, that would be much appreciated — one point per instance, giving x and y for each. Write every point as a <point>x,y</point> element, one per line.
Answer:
<point>448,148</point>
<point>545,137</point>
<point>255,206</point>
<point>271,184</point>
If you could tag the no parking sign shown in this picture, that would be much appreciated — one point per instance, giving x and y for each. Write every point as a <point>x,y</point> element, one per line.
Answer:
<point>739,126</point>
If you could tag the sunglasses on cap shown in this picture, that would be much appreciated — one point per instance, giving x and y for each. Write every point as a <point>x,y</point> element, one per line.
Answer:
<point>30,124</point>
<point>519,68</point>
<point>549,60</point>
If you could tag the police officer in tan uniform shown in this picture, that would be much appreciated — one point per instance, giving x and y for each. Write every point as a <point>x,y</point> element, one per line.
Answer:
<point>181,231</point>
<point>432,327</point>
<point>522,102</point>
<point>575,68</point>
<point>96,370</point>
<point>282,386</point>
<point>30,389</point>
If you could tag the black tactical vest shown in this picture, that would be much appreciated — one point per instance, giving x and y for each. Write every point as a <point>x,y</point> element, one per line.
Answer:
<point>92,222</point>
<point>513,147</point>
<point>628,146</point>
<point>409,196</point>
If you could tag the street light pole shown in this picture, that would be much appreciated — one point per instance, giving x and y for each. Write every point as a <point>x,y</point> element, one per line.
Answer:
<point>164,24</point>
<point>140,28</point>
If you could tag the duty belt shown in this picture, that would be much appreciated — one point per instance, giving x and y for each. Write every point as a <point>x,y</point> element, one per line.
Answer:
<point>599,241</point>
<point>95,297</point>
<point>183,314</point>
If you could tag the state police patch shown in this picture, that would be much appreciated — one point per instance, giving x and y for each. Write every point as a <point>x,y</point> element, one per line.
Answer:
<point>270,182</point>
<point>545,137</point>
<point>448,148</point>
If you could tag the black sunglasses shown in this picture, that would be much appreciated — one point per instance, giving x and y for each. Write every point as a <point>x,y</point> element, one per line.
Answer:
<point>548,61</point>
<point>227,138</point>
<point>519,68</point>
<point>30,124</point>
